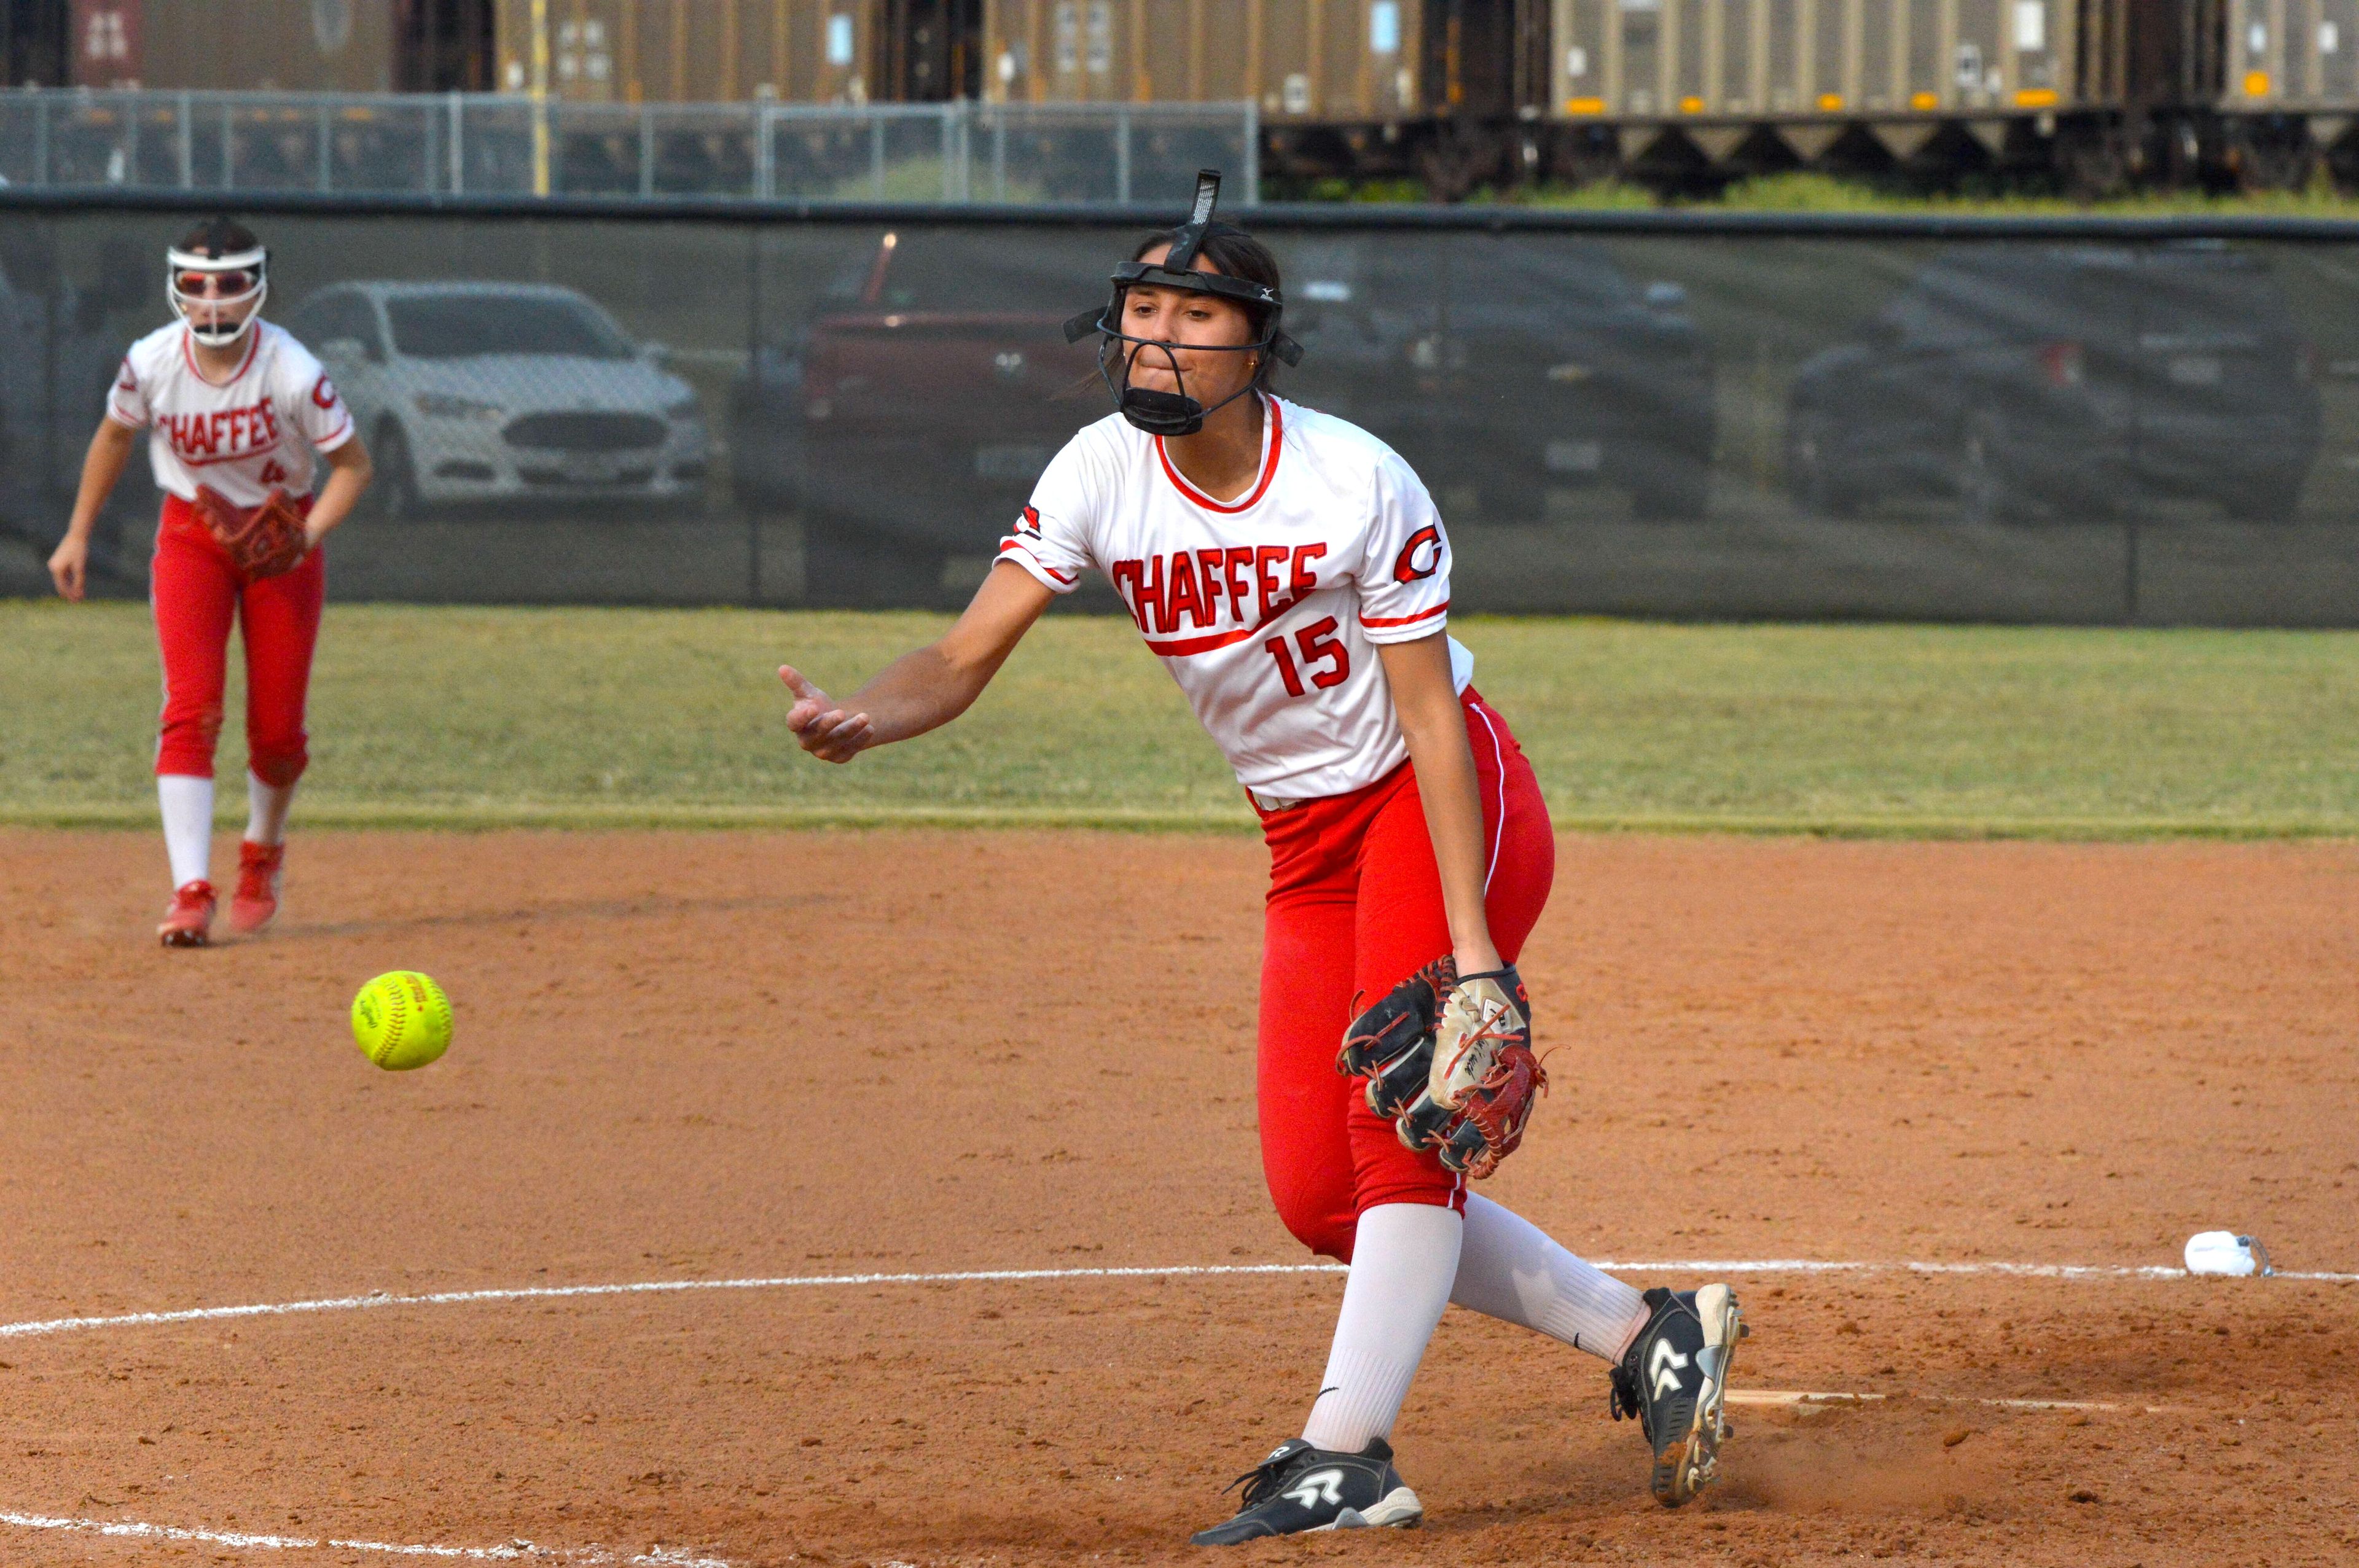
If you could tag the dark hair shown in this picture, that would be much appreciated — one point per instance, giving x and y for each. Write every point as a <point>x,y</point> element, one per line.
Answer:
<point>217,236</point>
<point>1239,254</point>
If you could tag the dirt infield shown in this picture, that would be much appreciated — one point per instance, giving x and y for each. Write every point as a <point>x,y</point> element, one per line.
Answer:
<point>727,1057</point>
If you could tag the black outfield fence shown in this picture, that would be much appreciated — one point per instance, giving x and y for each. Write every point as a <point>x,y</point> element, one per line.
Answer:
<point>2094,421</point>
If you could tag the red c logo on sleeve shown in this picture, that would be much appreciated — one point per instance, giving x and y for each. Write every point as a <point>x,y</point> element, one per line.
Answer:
<point>129,379</point>
<point>1031,524</point>
<point>1420,557</point>
<point>324,392</point>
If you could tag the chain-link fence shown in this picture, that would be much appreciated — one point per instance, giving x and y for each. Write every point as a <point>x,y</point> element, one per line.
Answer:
<point>493,144</point>
<point>2106,423</point>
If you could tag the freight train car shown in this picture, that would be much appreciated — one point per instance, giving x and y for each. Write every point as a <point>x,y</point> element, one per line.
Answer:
<point>2284,75</point>
<point>250,46</point>
<point>1774,83</point>
<point>1304,59</point>
<point>1343,86</point>
<point>1747,60</point>
<point>692,51</point>
<point>304,46</point>
<point>2253,91</point>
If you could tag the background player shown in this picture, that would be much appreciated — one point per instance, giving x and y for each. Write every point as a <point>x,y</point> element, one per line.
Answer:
<point>235,407</point>
<point>1292,574</point>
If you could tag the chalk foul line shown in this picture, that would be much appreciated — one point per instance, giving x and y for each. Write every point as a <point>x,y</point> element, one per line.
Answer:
<point>635,1288</point>
<point>514,1551</point>
<point>975,1276</point>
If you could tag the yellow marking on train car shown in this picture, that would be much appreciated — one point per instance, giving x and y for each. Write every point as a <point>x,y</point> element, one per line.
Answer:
<point>1690,105</point>
<point>2036,98</point>
<point>1924,101</point>
<point>1829,102</point>
<point>1584,105</point>
<point>2257,84</point>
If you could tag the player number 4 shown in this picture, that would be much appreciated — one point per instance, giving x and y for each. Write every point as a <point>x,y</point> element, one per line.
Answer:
<point>1318,647</point>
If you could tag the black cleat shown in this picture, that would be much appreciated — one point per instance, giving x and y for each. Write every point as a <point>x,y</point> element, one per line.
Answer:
<point>1299,1487</point>
<point>1674,1378</point>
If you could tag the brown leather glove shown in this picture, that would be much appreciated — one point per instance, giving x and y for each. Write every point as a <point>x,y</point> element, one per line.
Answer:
<point>262,541</point>
<point>1450,1061</point>
<point>1483,1070</point>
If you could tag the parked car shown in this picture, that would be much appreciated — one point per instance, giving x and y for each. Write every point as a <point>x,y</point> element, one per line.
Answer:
<point>910,415</point>
<point>1509,363</point>
<point>503,391</point>
<point>2064,383</point>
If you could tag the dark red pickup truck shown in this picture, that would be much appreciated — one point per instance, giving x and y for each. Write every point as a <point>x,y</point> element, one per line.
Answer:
<point>910,418</point>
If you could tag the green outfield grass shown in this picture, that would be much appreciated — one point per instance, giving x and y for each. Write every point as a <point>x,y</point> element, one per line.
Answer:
<point>492,716</point>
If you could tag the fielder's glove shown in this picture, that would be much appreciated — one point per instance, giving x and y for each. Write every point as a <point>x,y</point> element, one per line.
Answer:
<point>262,541</point>
<point>1450,1061</point>
<point>1483,1070</point>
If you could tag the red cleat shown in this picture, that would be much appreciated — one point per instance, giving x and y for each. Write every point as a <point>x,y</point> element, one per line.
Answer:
<point>187,919</point>
<point>256,898</point>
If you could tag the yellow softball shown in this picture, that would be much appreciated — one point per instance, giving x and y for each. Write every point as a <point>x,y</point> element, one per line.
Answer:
<point>402,1020</point>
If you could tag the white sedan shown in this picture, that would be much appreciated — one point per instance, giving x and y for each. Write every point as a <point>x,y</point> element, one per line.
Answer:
<point>503,391</point>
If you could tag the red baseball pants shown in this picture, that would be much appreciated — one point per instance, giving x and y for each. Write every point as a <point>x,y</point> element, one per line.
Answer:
<point>195,592</point>
<point>1355,907</point>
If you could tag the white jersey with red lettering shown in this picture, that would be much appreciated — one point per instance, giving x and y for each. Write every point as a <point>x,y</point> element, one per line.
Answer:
<point>1267,608</point>
<point>246,436</point>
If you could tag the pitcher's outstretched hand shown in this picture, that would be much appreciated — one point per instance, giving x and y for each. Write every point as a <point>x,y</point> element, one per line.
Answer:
<point>822,727</point>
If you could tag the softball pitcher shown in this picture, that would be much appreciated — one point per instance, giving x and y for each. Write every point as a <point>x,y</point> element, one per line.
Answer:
<point>234,408</point>
<point>1292,574</point>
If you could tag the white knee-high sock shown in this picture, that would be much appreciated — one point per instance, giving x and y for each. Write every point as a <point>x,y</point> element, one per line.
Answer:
<point>1404,1257</point>
<point>1509,1269</point>
<point>187,805</point>
<point>266,807</point>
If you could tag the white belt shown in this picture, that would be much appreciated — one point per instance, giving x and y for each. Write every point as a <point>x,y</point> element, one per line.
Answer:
<point>1270,803</point>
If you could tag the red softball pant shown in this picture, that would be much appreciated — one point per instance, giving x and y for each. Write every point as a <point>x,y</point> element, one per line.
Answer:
<point>195,594</point>
<point>1354,908</point>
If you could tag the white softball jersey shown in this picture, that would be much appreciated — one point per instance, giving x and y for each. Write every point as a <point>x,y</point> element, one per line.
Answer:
<point>1266,609</point>
<point>245,436</point>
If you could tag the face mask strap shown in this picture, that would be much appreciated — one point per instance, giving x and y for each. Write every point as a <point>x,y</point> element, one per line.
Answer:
<point>1191,238</point>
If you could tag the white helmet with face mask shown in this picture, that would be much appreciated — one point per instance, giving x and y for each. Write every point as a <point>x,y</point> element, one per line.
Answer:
<point>218,266</point>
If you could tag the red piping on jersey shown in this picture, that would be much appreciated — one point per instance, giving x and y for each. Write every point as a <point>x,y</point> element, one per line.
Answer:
<point>1205,644</point>
<point>225,457</point>
<point>253,347</point>
<point>1403,620</point>
<point>1011,543</point>
<point>1183,646</point>
<point>1268,468</point>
